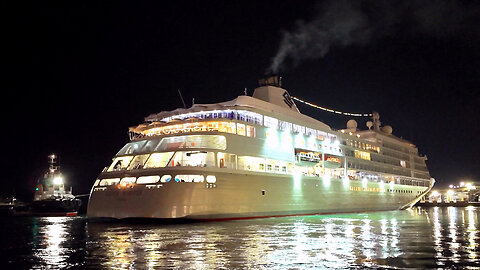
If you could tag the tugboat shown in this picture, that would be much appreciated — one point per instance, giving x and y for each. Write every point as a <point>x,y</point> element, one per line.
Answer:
<point>51,198</point>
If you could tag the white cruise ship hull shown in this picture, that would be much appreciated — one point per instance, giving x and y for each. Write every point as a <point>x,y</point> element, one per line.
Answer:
<point>246,195</point>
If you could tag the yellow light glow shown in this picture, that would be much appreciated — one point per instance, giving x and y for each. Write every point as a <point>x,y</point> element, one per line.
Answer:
<point>435,193</point>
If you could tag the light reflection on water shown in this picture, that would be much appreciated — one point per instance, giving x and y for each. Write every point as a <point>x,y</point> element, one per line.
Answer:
<point>419,238</point>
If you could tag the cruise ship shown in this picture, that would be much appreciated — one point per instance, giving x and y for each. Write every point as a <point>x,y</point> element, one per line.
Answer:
<point>256,156</point>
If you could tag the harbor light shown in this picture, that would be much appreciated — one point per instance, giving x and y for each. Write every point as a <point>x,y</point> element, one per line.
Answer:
<point>58,180</point>
<point>470,186</point>
<point>435,193</point>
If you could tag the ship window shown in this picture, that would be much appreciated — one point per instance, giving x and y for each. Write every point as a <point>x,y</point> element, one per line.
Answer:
<point>284,126</point>
<point>269,167</point>
<point>250,131</point>
<point>241,129</point>
<point>120,163</point>
<point>150,146</point>
<point>284,169</point>
<point>110,181</point>
<point>193,141</point>
<point>193,158</point>
<point>251,163</point>
<point>165,178</point>
<point>211,179</point>
<point>277,168</point>
<point>228,127</point>
<point>127,180</point>
<point>158,160</point>
<point>189,178</point>
<point>270,122</point>
<point>131,148</point>
<point>96,182</point>
<point>138,162</point>
<point>148,179</point>
<point>362,155</point>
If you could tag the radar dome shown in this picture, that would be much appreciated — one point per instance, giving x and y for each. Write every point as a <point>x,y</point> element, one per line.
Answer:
<point>387,129</point>
<point>369,124</point>
<point>352,124</point>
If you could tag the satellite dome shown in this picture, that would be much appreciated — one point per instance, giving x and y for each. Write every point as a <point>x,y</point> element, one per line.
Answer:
<point>352,124</point>
<point>387,129</point>
<point>369,124</point>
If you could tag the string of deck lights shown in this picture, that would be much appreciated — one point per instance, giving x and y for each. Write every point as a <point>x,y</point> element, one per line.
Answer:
<point>332,111</point>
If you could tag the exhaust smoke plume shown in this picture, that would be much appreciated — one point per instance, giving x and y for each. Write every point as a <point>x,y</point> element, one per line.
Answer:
<point>343,23</point>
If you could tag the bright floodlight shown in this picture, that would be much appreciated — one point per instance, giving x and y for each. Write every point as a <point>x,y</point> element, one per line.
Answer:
<point>58,180</point>
<point>435,193</point>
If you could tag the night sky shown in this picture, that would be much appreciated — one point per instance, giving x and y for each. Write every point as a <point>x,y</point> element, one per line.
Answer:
<point>77,75</point>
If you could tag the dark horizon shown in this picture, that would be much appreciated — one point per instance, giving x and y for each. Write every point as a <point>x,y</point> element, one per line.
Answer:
<point>79,74</point>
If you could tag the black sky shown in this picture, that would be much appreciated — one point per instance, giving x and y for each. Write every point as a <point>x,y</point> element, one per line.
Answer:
<point>78,74</point>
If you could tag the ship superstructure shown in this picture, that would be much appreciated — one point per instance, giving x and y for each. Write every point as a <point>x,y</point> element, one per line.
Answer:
<point>256,156</point>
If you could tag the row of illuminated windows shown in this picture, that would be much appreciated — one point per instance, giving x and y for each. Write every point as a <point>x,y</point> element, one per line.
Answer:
<point>198,159</point>
<point>242,115</point>
<point>399,191</point>
<point>362,155</point>
<point>352,188</point>
<point>250,163</point>
<point>377,158</point>
<point>375,168</point>
<point>174,143</point>
<point>227,127</point>
<point>376,177</point>
<point>251,117</point>
<point>363,145</point>
<point>164,159</point>
<point>153,179</point>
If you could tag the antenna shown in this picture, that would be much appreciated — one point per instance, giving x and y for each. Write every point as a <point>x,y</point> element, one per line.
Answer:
<point>245,91</point>
<point>193,101</point>
<point>180,93</point>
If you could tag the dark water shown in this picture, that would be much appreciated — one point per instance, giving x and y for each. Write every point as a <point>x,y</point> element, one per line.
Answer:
<point>417,238</point>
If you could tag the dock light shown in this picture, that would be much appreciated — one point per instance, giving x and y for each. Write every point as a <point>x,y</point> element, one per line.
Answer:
<point>470,186</point>
<point>58,180</point>
<point>450,192</point>
<point>435,193</point>
<point>462,184</point>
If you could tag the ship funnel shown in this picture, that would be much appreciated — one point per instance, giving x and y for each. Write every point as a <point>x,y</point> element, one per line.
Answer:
<point>271,80</point>
<point>270,91</point>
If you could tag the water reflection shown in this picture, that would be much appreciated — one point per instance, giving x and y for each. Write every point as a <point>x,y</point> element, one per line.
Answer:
<point>456,236</point>
<point>53,246</point>
<point>340,241</point>
<point>418,238</point>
